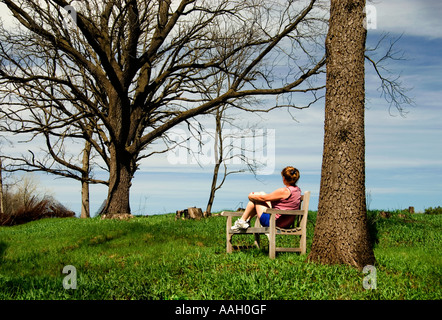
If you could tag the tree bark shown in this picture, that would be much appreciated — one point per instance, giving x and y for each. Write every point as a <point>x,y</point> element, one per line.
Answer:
<point>120,177</point>
<point>213,189</point>
<point>341,232</point>
<point>1,188</point>
<point>85,207</point>
<point>218,152</point>
<point>122,162</point>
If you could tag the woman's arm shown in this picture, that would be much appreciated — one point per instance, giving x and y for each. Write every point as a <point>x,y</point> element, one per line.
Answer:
<point>278,194</point>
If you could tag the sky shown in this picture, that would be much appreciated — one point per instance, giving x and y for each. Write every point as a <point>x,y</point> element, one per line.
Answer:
<point>403,152</point>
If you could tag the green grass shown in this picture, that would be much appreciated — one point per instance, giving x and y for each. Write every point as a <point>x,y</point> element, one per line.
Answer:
<point>160,258</point>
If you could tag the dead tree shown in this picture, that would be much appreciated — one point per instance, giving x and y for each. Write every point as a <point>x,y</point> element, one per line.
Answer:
<point>138,68</point>
<point>230,157</point>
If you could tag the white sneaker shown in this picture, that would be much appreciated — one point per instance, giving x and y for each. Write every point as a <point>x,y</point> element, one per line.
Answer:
<point>240,224</point>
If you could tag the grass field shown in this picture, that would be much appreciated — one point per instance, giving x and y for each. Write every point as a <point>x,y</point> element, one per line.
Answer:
<point>157,257</point>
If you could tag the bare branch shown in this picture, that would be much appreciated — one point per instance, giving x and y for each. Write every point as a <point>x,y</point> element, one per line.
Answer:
<point>392,89</point>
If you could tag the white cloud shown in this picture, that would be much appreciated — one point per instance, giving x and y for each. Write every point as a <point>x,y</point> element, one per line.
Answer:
<point>412,17</point>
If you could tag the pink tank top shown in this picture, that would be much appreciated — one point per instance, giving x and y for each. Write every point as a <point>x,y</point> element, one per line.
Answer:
<point>292,202</point>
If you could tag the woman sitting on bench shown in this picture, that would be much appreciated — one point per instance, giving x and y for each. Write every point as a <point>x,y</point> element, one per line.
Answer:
<point>286,198</point>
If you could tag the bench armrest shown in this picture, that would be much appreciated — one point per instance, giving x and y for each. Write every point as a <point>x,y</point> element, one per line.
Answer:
<point>232,214</point>
<point>286,212</point>
<point>270,211</point>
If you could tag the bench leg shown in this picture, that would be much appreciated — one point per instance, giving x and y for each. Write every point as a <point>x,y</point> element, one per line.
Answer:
<point>272,237</point>
<point>229,248</point>
<point>303,241</point>
<point>257,240</point>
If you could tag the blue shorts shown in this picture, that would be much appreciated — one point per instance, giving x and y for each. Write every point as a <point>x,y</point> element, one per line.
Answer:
<point>265,219</point>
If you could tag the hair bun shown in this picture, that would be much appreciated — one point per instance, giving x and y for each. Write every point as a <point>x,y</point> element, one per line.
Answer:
<point>291,175</point>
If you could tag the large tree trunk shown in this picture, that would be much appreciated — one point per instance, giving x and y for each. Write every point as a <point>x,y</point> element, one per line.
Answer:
<point>122,163</point>
<point>120,181</point>
<point>341,232</point>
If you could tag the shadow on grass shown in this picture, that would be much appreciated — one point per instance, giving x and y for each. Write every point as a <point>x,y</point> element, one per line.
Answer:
<point>372,219</point>
<point>3,246</point>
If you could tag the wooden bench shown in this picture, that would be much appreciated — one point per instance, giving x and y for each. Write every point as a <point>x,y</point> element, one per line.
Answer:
<point>299,228</point>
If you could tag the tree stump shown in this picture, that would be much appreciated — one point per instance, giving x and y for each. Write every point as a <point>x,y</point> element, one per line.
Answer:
<point>195,213</point>
<point>189,213</point>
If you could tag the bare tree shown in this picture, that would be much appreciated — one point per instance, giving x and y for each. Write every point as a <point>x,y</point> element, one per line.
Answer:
<point>227,144</point>
<point>136,69</point>
<point>53,157</point>
<point>341,232</point>
<point>229,154</point>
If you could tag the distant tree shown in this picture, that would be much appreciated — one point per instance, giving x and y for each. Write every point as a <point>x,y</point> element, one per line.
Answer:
<point>56,153</point>
<point>231,157</point>
<point>230,154</point>
<point>341,232</point>
<point>138,68</point>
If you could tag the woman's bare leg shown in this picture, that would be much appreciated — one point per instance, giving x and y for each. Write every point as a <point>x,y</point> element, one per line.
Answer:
<point>253,209</point>
<point>249,212</point>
